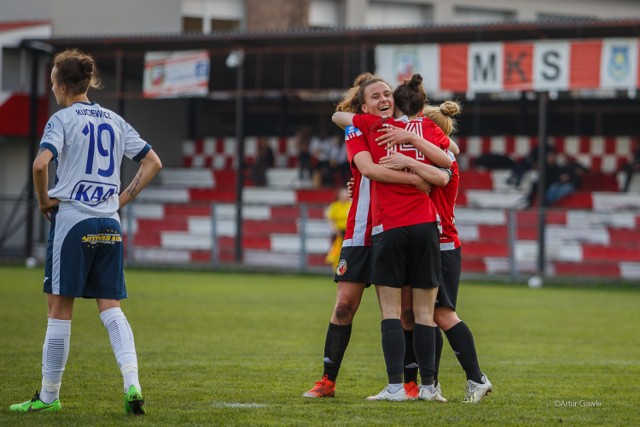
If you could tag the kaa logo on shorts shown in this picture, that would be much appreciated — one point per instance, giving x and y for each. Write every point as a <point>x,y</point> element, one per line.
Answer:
<point>92,193</point>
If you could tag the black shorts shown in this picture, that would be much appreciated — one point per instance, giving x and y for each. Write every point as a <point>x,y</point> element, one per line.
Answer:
<point>451,268</point>
<point>354,265</point>
<point>407,256</point>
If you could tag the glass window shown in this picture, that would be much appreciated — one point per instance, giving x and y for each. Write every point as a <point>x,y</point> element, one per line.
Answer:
<point>472,14</point>
<point>384,14</point>
<point>225,24</point>
<point>191,24</point>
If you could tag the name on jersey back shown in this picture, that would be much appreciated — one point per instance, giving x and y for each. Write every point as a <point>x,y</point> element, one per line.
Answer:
<point>93,113</point>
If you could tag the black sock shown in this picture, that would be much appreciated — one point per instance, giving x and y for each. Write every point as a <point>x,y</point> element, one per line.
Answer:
<point>439,345</point>
<point>410,363</point>
<point>424,343</point>
<point>393,349</point>
<point>461,340</point>
<point>334,347</point>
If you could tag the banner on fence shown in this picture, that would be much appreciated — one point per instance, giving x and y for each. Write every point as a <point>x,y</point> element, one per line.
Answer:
<point>547,65</point>
<point>176,74</point>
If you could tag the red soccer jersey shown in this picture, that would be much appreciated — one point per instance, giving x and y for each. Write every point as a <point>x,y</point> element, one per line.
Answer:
<point>358,232</point>
<point>400,205</point>
<point>444,198</point>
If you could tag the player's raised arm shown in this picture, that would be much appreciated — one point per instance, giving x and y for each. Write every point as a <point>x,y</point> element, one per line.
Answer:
<point>392,135</point>
<point>453,147</point>
<point>342,118</point>
<point>365,164</point>
<point>434,175</point>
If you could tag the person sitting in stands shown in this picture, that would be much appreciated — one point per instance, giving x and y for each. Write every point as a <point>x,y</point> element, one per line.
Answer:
<point>264,160</point>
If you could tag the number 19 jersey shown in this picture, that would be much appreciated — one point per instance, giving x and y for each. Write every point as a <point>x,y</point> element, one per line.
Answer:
<point>88,143</point>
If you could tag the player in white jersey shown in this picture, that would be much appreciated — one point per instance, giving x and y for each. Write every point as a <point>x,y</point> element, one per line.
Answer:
<point>85,253</point>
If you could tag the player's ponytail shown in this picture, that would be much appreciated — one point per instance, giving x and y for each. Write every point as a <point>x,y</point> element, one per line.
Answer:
<point>77,71</point>
<point>443,115</point>
<point>410,97</point>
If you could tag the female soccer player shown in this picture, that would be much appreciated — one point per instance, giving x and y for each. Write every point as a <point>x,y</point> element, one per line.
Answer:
<point>405,236</point>
<point>352,273</point>
<point>458,333</point>
<point>85,253</point>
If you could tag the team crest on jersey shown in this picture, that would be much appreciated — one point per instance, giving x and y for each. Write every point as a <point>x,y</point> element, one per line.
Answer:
<point>342,267</point>
<point>47,130</point>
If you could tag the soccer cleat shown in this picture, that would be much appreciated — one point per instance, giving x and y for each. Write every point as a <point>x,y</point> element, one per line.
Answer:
<point>412,390</point>
<point>439,396</point>
<point>323,388</point>
<point>36,405</point>
<point>133,401</point>
<point>428,392</point>
<point>477,391</point>
<point>385,394</point>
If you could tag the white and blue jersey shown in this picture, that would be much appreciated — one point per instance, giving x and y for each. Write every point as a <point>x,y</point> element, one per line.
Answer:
<point>84,251</point>
<point>88,143</point>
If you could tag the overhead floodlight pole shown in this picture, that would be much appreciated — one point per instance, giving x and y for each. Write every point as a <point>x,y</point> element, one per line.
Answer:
<point>236,60</point>
<point>543,100</point>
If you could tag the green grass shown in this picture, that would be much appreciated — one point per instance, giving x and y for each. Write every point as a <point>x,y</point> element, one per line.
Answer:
<point>240,349</point>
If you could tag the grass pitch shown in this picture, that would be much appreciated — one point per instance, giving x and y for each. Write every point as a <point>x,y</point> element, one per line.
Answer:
<point>240,349</point>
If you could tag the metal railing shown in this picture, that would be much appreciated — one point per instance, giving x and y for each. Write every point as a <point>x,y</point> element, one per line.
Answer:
<point>295,238</point>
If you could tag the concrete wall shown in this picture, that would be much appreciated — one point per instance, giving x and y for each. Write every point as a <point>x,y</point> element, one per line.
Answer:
<point>25,10</point>
<point>526,10</point>
<point>360,13</point>
<point>94,17</point>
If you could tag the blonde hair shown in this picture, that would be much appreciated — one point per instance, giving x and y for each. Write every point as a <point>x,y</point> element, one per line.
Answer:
<point>442,115</point>
<point>77,71</point>
<point>353,99</point>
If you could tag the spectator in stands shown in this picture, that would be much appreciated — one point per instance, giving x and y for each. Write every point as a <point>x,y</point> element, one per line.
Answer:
<point>303,137</point>
<point>567,180</point>
<point>320,149</point>
<point>264,160</point>
<point>340,169</point>
<point>631,167</point>
<point>551,173</point>
<point>524,164</point>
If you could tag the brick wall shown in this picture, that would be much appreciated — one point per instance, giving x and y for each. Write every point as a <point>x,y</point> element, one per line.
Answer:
<point>276,14</point>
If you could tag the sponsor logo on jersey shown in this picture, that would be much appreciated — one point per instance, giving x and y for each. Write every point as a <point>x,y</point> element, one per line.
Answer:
<point>342,267</point>
<point>351,132</point>
<point>93,193</point>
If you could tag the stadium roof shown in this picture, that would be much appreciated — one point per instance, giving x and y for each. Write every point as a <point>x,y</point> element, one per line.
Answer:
<point>541,29</point>
<point>313,62</point>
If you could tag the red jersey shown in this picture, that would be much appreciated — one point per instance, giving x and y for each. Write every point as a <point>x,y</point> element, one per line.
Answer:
<point>444,198</point>
<point>358,232</point>
<point>400,205</point>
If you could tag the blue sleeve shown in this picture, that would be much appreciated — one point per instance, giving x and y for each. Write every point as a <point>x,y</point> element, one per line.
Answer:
<point>50,147</point>
<point>142,153</point>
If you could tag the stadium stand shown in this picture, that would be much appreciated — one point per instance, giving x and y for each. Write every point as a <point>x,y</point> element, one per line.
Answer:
<point>592,232</point>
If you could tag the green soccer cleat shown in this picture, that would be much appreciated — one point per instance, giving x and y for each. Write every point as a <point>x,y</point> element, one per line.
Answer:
<point>133,401</point>
<point>36,405</point>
